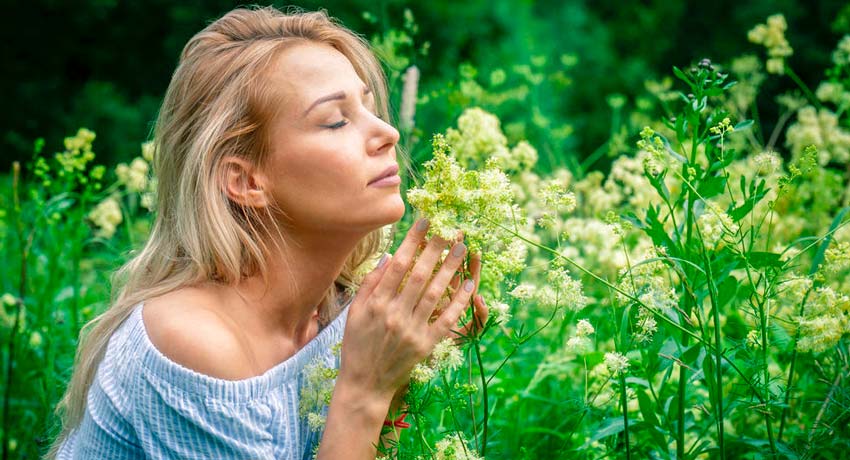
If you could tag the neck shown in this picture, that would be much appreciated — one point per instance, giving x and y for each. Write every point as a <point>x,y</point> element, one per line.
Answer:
<point>299,275</point>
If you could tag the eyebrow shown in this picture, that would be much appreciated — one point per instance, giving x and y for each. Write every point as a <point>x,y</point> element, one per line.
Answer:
<point>339,95</point>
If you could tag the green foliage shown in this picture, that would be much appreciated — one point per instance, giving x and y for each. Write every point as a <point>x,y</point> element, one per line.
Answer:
<point>683,290</point>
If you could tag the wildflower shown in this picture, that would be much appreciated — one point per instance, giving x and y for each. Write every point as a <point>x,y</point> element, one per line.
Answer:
<point>477,137</point>
<point>447,355</point>
<point>584,328</point>
<point>454,447</point>
<point>106,216</point>
<point>841,55</point>
<point>616,363</point>
<point>646,326</point>
<point>422,373</point>
<point>819,128</point>
<point>135,176</point>
<point>753,339</point>
<point>725,126</point>
<point>478,203</point>
<point>580,342</point>
<point>408,98</point>
<point>78,152</point>
<point>837,258</point>
<point>830,91</point>
<point>315,421</point>
<point>826,320</point>
<point>500,311</point>
<point>148,149</point>
<point>772,36</point>
<point>568,290</point>
<point>767,163</point>
<point>35,340</point>
<point>319,381</point>
<point>8,300</point>
<point>713,224</point>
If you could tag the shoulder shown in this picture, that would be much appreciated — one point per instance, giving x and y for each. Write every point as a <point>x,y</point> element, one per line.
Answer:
<point>187,326</point>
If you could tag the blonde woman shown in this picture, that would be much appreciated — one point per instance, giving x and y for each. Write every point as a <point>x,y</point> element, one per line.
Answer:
<point>277,172</point>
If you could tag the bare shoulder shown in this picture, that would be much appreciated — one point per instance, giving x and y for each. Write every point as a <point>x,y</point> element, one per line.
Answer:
<point>187,327</point>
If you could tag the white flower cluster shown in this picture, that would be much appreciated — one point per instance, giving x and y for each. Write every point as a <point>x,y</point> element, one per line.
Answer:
<point>319,380</point>
<point>713,224</point>
<point>561,290</point>
<point>772,36</point>
<point>834,92</point>
<point>821,129</point>
<point>478,141</point>
<point>454,447</point>
<point>106,216</point>
<point>134,176</point>
<point>841,55</point>
<point>616,363</point>
<point>826,320</point>
<point>580,342</point>
<point>445,357</point>
<point>837,258</point>
<point>478,203</point>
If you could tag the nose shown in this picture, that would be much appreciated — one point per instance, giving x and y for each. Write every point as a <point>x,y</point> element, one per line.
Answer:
<point>382,137</point>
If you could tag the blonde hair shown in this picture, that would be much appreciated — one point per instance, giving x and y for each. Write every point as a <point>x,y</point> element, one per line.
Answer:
<point>216,106</point>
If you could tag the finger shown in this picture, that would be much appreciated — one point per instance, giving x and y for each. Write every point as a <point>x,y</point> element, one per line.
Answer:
<point>421,272</point>
<point>455,282</point>
<point>475,269</point>
<point>398,267</point>
<point>479,319</point>
<point>435,290</point>
<point>482,311</point>
<point>448,319</point>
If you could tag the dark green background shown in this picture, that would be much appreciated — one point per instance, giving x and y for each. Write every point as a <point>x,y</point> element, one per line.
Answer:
<point>105,64</point>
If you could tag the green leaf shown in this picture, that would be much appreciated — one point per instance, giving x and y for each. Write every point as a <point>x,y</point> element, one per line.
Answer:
<point>609,427</point>
<point>711,186</point>
<point>726,291</point>
<point>742,125</point>
<point>647,409</point>
<point>761,259</point>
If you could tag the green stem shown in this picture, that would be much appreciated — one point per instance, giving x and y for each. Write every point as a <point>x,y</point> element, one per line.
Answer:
<point>680,409</point>
<point>486,401</point>
<point>811,97</point>
<point>624,402</point>
<point>791,368</point>
<point>718,355</point>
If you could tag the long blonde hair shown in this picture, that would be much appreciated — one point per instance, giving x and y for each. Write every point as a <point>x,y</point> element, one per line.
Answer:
<point>216,105</point>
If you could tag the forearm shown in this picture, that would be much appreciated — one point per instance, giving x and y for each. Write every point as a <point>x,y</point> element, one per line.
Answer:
<point>354,424</point>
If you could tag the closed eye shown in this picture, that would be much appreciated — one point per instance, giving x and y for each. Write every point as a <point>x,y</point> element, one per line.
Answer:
<point>336,125</point>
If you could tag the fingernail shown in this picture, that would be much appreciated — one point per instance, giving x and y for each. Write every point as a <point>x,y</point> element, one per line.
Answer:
<point>422,224</point>
<point>382,261</point>
<point>457,251</point>
<point>468,285</point>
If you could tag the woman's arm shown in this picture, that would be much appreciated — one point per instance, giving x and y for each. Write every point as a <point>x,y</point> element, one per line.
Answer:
<point>388,331</point>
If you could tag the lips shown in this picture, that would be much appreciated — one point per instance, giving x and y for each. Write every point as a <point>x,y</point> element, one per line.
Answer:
<point>390,171</point>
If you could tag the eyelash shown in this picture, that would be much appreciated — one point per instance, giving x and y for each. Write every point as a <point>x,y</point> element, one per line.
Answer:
<point>343,123</point>
<point>337,125</point>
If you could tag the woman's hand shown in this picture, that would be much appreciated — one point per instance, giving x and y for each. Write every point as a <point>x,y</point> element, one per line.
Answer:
<point>390,328</point>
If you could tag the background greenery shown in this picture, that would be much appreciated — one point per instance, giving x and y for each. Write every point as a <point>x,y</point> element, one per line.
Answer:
<point>571,77</point>
<point>105,64</point>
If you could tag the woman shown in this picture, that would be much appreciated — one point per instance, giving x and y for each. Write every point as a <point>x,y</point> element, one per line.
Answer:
<point>276,174</point>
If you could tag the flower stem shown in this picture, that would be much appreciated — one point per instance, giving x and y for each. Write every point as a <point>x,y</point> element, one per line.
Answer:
<point>625,404</point>
<point>811,97</point>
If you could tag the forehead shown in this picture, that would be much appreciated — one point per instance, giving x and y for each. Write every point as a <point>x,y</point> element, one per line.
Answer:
<point>307,71</point>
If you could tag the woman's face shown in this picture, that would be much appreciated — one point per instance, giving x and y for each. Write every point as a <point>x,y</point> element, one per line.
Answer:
<point>328,147</point>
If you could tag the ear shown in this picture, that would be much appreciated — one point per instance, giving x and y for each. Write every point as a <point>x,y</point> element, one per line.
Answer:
<point>243,182</point>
